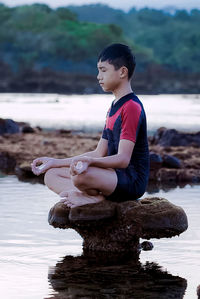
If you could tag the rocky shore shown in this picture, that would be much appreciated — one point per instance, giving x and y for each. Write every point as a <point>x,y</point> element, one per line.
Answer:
<point>174,156</point>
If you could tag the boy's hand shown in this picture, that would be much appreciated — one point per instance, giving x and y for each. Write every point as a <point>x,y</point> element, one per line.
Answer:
<point>42,164</point>
<point>80,165</point>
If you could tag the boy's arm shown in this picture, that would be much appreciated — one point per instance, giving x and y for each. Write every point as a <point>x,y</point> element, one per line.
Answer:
<point>48,162</point>
<point>120,160</point>
<point>100,151</point>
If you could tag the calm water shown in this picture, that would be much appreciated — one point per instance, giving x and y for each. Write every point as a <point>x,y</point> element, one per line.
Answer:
<point>88,111</point>
<point>30,248</point>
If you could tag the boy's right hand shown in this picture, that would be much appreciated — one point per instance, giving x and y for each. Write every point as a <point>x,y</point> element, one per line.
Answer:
<point>42,164</point>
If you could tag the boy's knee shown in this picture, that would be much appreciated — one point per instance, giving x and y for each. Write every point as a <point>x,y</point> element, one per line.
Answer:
<point>50,173</point>
<point>80,181</point>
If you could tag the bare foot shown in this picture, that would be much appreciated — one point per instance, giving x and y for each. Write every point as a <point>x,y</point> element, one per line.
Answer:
<point>73,198</point>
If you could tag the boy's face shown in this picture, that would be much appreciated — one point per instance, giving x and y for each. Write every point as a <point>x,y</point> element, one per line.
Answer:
<point>108,77</point>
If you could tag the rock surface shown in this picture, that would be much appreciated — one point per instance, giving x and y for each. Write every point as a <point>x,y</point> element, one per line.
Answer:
<point>117,227</point>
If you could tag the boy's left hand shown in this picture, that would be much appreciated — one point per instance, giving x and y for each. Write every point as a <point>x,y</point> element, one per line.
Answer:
<point>74,169</point>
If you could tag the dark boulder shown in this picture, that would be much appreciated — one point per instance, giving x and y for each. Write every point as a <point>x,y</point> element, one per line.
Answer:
<point>27,129</point>
<point>7,163</point>
<point>8,126</point>
<point>146,246</point>
<point>171,162</point>
<point>171,137</point>
<point>116,227</point>
<point>155,160</point>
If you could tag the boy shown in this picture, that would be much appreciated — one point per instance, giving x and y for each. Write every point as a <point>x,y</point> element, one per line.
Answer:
<point>118,168</point>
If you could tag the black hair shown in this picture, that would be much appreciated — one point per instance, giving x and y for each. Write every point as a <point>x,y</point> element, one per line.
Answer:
<point>119,55</point>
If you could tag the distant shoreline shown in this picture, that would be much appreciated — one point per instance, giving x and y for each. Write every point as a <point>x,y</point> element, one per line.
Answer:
<point>153,81</point>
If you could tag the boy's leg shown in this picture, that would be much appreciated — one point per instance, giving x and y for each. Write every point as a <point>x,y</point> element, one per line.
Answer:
<point>100,180</point>
<point>93,184</point>
<point>103,180</point>
<point>59,179</point>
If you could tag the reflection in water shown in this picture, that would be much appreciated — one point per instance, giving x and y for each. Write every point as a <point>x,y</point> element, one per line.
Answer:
<point>155,187</point>
<point>81,277</point>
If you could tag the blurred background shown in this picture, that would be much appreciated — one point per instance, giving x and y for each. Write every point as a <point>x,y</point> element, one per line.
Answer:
<point>52,46</point>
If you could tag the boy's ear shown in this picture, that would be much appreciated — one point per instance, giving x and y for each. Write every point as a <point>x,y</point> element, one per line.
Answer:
<point>123,72</point>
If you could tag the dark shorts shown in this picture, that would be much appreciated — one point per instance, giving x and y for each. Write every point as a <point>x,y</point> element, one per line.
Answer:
<point>127,186</point>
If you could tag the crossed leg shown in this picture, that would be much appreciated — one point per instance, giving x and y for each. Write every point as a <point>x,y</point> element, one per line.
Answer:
<point>89,187</point>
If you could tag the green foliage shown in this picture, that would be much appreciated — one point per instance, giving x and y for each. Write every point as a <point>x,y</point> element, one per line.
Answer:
<point>36,36</point>
<point>65,14</point>
<point>170,40</point>
<point>33,33</point>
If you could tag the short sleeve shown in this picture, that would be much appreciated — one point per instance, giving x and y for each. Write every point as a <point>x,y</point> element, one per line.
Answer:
<point>104,133</point>
<point>131,119</point>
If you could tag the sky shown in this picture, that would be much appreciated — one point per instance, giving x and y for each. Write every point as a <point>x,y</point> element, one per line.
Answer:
<point>122,4</point>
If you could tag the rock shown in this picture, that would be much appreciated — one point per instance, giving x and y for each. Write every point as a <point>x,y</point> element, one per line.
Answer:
<point>178,175</point>
<point>116,227</point>
<point>24,173</point>
<point>7,162</point>
<point>198,291</point>
<point>98,212</point>
<point>8,126</point>
<point>27,129</point>
<point>171,137</point>
<point>155,160</point>
<point>166,175</point>
<point>155,164</point>
<point>171,162</point>
<point>146,245</point>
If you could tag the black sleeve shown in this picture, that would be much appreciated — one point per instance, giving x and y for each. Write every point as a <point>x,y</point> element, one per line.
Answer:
<point>104,133</point>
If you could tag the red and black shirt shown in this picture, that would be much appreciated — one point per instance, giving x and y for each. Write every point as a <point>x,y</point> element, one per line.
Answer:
<point>126,119</point>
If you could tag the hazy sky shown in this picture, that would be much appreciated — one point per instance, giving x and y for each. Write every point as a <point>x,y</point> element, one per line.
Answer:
<point>123,4</point>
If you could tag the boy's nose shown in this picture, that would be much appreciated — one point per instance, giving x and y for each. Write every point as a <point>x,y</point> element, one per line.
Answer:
<point>98,76</point>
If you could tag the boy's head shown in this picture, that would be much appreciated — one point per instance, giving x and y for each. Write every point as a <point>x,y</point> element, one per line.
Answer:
<point>119,55</point>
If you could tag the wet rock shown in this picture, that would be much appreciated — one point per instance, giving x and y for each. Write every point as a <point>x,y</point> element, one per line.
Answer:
<point>146,246</point>
<point>155,164</point>
<point>119,228</point>
<point>7,162</point>
<point>59,216</point>
<point>27,129</point>
<point>198,291</point>
<point>171,162</point>
<point>24,173</point>
<point>189,175</point>
<point>171,137</point>
<point>98,212</point>
<point>178,175</point>
<point>155,160</point>
<point>8,126</point>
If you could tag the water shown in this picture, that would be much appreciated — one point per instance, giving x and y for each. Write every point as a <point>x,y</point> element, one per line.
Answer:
<point>87,112</point>
<point>30,248</point>
<point>28,244</point>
